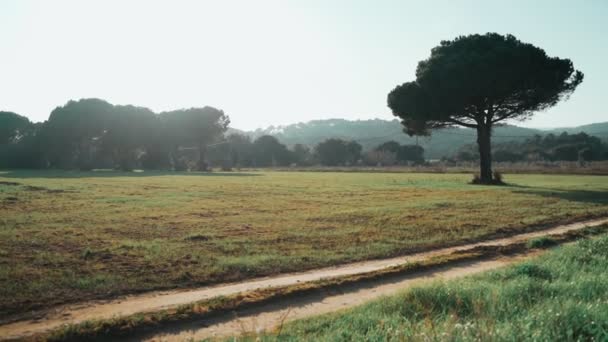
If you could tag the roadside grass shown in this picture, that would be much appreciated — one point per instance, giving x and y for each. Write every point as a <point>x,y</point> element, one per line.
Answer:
<point>70,236</point>
<point>560,296</point>
<point>541,242</point>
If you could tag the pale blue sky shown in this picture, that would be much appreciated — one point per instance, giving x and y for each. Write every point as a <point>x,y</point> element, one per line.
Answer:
<point>273,62</point>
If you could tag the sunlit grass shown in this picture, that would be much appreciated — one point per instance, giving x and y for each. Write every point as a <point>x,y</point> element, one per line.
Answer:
<point>562,296</point>
<point>165,230</point>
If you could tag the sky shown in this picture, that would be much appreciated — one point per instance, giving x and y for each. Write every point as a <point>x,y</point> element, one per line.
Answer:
<point>270,62</point>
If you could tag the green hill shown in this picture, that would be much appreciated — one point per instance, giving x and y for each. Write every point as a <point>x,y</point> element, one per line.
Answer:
<point>371,133</point>
<point>599,129</point>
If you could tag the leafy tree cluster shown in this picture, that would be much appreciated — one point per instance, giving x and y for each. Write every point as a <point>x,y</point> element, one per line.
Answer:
<point>403,154</point>
<point>551,147</point>
<point>266,151</point>
<point>338,152</point>
<point>13,127</point>
<point>92,133</point>
<point>239,150</point>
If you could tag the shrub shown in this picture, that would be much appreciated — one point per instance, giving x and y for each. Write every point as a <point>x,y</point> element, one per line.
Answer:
<point>541,242</point>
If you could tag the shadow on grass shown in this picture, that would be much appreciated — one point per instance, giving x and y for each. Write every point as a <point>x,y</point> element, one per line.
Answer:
<point>111,173</point>
<point>586,196</point>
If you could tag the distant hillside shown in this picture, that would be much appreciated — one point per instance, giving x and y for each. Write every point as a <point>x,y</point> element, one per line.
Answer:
<point>371,133</point>
<point>599,129</point>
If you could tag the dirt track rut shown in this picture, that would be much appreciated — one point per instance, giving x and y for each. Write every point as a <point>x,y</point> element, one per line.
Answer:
<point>268,317</point>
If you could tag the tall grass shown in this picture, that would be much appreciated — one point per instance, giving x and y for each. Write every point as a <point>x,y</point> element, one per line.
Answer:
<point>562,296</point>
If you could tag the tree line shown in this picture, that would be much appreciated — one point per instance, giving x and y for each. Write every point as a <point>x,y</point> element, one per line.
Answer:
<point>94,134</point>
<point>551,147</point>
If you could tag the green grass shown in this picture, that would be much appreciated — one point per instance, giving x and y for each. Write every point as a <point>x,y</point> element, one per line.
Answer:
<point>561,296</point>
<point>541,242</point>
<point>70,236</point>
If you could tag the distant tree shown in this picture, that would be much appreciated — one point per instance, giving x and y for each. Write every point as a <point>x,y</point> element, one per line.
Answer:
<point>94,133</point>
<point>477,81</point>
<point>380,157</point>
<point>411,153</point>
<point>220,154</point>
<point>19,146</point>
<point>333,152</point>
<point>241,149</point>
<point>197,127</point>
<point>13,126</point>
<point>551,147</point>
<point>157,146</point>
<point>126,130</point>
<point>72,130</point>
<point>585,154</point>
<point>565,152</point>
<point>389,146</point>
<point>403,153</point>
<point>268,151</point>
<point>354,152</point>
<point>301,154</point>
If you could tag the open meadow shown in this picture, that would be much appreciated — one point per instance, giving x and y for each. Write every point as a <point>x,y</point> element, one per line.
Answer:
<point>72,236</point>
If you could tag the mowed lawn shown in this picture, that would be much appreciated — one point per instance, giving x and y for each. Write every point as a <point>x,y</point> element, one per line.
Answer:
<point>70,236</point>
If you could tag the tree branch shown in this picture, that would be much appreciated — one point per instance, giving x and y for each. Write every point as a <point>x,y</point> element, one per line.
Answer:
<point>461,123</point>
<point>509,116</point>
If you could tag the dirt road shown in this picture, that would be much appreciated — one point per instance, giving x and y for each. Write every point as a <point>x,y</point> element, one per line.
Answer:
<point>268,317</point>
<point>156,301</point>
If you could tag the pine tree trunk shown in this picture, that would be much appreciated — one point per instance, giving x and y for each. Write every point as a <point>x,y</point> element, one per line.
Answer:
<point>485,153</point>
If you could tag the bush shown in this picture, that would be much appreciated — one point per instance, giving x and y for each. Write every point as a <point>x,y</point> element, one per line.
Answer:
<point>541,242</point>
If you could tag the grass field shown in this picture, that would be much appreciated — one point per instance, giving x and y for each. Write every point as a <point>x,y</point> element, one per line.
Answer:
<point>562,296</point>
<point>68,237</point>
